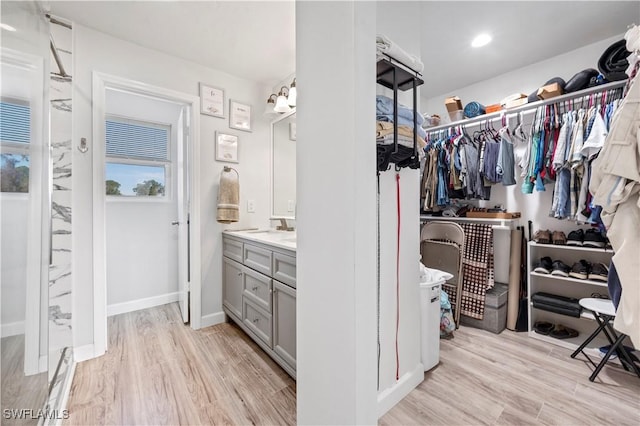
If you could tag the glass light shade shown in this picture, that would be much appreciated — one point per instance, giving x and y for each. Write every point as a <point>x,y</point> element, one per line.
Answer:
<point>293,94</point>
<point>281,104</point>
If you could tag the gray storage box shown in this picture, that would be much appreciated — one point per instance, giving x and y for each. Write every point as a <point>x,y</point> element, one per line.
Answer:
<point>495,311</point>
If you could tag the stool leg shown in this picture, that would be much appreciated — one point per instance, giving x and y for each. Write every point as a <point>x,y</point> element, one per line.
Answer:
<point>606,357</point>
<point>601,326</point>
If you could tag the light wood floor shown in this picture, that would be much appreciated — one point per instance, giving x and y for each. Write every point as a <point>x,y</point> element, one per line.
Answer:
<point>19,391</point>
<point>158,371</point>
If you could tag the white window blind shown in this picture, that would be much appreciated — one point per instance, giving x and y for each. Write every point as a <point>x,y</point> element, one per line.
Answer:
<point>15,122</point>
<point>129,139</point>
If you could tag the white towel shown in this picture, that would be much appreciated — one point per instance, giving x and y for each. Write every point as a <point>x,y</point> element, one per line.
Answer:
<point>229,196</point>
<point>385,45</point>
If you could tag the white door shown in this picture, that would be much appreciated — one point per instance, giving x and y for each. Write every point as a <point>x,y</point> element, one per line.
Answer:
<point>146,206</point>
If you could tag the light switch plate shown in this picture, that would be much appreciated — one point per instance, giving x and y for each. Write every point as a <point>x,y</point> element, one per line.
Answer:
<point>291,205</point>
<point>251,206</point>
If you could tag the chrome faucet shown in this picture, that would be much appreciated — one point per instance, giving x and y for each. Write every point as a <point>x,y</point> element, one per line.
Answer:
<point>283,225</point>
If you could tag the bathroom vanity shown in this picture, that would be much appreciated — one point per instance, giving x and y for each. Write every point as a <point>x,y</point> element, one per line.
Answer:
<point>259,289</point>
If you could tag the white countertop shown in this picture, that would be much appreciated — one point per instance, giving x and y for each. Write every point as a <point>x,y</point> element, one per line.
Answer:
<point>282,239</point>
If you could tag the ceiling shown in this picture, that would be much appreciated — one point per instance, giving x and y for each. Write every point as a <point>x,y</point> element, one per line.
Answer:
<point>256,40</point>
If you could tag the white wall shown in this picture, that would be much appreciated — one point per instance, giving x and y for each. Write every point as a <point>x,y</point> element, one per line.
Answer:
<point>336,257</point>
<point>13,228</point>
<point>400,21</point>
<point>95,51</point>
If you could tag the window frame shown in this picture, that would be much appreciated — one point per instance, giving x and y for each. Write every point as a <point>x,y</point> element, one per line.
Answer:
<point>18,148</point>
<point>139,161</point>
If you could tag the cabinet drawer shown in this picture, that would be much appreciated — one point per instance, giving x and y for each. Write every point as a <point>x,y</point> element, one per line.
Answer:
<point>257,258</point>
<point>257,287</point>
<point>284,268</point>
<point>257,321</point>
<point>232,249</point>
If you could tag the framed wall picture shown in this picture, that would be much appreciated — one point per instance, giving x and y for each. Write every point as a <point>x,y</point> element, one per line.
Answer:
<point>226,147</point>
<point>211,100</point>
<point>239,116</point>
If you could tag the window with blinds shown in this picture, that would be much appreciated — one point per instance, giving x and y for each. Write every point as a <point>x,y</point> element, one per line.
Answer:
<point>15,135</point>
<point>137,158</point>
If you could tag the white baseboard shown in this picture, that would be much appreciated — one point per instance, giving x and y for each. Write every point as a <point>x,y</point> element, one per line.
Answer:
<point>212,319</point>
<point>136,305</point>
<point>12,329</point>
<point>391,396</point>
<point>83,353</point>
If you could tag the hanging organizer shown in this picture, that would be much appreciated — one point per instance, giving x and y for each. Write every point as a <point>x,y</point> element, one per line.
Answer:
<point>394,75</point>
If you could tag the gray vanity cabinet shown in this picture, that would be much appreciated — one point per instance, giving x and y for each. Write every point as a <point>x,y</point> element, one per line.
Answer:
<point>284,322</point>
<point>259,294</point>
<point>232,289</point>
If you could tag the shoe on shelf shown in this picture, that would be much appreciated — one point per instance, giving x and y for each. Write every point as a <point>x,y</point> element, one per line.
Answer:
<point>558,238</point>
<point>575,238</point>
<point>593,238</point>
<point>599,272</point>
<point>580,270</point>
<point>560,269</point>
<point>542,237</point>
<point>544,266</point>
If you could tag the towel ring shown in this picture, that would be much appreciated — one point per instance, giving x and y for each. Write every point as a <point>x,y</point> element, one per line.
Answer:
<point>228,169</point>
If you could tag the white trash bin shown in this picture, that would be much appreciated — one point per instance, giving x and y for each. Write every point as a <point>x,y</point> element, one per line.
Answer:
<point>430,322</point>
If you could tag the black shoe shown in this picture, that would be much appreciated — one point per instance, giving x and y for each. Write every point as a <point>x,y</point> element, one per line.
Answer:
<point>580,270</point>
<point>599,272</point>
<point>593,238</point>
<point>575,238</point>
<point>560,269</point>
<point>544,266</point>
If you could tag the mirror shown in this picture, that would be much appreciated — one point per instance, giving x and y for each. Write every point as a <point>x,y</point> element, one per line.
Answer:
<point>283,166</point>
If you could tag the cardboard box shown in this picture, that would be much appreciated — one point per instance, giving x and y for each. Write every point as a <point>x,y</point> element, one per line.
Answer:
<point>549,91</point>
<point>493,108</point>
<point>453,104</point>
<point>514,100</point>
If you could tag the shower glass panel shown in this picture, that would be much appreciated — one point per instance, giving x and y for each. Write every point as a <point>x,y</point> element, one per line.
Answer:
<point>24,210</point>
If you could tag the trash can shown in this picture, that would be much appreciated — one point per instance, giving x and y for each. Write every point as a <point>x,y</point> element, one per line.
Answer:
<point>430,322</point>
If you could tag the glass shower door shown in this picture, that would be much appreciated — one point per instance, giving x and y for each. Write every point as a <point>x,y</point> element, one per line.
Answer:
<point>24,211</point>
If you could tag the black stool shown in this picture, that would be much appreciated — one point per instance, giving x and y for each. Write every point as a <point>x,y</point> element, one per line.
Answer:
<point>604,313</point>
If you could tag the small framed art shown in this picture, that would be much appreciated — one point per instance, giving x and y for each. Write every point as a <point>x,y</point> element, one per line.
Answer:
<point>239,116</point>
<point>226,147</point>
<point>211,100</point>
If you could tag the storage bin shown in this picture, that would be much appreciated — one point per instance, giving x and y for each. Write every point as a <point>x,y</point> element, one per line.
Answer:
<point>495,311</point>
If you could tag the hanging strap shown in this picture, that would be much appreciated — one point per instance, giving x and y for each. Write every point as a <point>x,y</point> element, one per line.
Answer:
<point>398,275</point>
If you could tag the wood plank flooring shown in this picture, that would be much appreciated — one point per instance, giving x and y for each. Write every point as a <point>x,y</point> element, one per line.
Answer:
<point>19,391</point>
<point>158,371</point>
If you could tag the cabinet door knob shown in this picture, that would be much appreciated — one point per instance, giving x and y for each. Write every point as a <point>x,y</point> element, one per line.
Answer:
<point>256,320</point>
<point>239,273</point>
<point>254,288</point>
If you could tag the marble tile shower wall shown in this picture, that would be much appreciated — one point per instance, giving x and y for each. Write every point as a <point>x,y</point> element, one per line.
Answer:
<point>60,303</point>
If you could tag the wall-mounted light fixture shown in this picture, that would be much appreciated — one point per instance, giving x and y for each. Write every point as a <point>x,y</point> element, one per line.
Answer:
<point>284,100</point>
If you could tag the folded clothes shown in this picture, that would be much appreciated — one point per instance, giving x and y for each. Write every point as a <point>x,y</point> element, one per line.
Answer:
<point>384,106</point>
<point>402,140</point>
<point>613,62</point>
<point>402,122</point>
<point>385,45</point>
<point>384,128</point>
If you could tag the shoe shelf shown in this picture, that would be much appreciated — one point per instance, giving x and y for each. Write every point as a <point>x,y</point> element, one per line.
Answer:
<point>572,248</point>
<point>568,287</point>
<point>570,279</point>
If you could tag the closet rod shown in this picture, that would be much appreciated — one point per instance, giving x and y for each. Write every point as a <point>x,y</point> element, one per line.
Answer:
<point>532,105</point>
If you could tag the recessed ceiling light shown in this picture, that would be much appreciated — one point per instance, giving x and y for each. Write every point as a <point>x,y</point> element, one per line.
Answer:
<point>7,27</point>
<point>481,40</point>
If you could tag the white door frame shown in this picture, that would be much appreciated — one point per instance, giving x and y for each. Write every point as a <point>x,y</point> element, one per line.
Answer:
<point>102,82</point>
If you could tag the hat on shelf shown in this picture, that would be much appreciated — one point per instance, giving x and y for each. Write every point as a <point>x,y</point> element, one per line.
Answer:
<point>580,80</point>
